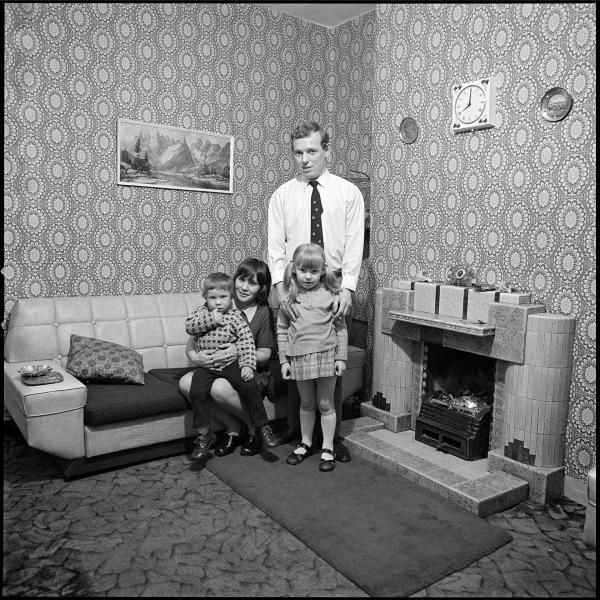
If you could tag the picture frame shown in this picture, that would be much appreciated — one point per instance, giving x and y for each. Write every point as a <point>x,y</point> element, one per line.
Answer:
<point>162,156</point>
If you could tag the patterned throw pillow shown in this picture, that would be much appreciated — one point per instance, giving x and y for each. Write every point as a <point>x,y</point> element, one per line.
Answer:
<point>98,361</point>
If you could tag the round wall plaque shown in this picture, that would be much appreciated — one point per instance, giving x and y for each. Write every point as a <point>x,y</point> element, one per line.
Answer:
<point>556,104</point>
<point>409,130</point>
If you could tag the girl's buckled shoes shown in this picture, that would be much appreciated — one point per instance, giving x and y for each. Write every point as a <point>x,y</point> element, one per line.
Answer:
<point>294,458</point>
<point>327,464</point>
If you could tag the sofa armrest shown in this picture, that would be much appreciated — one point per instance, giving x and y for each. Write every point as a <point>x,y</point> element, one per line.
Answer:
<point>49,416</point>
<point>39,400</point>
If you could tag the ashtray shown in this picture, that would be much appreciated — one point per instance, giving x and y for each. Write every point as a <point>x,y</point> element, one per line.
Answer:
<point>35,370</point>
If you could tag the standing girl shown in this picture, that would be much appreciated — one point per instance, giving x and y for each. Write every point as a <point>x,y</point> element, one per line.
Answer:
<point>313,348</point>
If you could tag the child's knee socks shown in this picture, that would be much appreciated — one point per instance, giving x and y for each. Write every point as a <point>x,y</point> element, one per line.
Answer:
<point>328,422</point>
<point>307,425</point>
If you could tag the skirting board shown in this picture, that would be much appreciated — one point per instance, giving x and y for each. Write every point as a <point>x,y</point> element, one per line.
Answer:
<point>576,490</point>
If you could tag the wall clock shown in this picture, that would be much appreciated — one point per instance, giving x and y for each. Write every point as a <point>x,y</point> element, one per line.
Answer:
<point>556,104</point>
<point>408,130</point>
<point>474,105</point>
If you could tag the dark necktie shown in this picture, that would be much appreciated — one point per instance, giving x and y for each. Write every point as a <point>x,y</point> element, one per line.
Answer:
<point>316,208</point>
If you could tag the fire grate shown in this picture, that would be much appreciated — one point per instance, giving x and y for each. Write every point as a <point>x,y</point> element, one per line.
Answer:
<point>459,432</point>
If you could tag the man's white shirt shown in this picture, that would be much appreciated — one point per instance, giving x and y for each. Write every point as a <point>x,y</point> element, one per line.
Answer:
<point>343,222</point>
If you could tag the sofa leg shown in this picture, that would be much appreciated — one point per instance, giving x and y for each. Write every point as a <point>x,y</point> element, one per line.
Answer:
<point>84,466</point>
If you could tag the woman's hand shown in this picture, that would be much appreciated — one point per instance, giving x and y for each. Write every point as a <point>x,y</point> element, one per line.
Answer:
<point>339,367</point>
<point>263,355</point>
<point>225,355</point>
<point>214,359</point>
<point>286,372</point>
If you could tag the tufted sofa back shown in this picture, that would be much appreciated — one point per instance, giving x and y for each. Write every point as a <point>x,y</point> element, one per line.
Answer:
<point>153,324</point>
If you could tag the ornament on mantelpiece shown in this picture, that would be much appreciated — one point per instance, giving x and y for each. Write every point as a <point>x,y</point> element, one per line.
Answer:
<point>462,276</point>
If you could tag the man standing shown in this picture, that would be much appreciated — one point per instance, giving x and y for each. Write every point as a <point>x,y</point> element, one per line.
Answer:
<point>320,207</point>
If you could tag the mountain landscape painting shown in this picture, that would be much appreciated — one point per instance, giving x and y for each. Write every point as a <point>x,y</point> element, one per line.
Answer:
<point>154,155</point>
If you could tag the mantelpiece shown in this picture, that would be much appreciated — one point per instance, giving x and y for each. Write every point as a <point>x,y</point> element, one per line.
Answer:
<point>443,322</point>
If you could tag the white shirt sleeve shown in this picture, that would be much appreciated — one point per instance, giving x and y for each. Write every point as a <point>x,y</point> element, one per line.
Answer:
<point>353,245</point>
<point>276,238</point>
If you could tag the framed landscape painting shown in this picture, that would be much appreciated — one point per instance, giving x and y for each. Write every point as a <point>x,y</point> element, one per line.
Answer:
<point>152,155</point>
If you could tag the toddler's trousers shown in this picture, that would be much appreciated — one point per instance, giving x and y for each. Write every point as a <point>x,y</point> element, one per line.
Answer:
<point>250,397</point>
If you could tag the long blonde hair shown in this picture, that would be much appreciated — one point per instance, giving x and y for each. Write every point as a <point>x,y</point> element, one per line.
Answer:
<point>308,256</point>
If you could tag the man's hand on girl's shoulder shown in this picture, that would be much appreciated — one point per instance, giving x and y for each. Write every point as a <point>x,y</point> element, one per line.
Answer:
<point>342,303</point>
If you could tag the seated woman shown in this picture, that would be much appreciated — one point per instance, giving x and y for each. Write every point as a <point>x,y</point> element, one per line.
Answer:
<point>252,285</point>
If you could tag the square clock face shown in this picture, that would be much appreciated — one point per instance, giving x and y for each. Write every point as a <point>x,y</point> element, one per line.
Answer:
<point>474,105</point>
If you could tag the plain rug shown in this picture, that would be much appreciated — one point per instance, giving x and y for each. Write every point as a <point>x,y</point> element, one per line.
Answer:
<point>386,534</point>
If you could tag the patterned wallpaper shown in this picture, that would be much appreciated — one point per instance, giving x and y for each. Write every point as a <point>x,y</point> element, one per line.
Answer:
<point>71,70</point>
<point>517,202</point>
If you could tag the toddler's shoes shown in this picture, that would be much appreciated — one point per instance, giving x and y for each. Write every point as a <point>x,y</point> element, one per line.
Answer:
<point>202,445</point>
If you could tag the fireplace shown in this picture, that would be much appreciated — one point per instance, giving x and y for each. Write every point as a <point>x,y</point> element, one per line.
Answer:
<point>533,355</point>
<point>456,403</point>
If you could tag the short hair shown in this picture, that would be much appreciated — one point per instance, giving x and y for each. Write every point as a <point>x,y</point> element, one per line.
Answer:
<point>217,281</point>
<point>306,128</point>
<point>253,267</point>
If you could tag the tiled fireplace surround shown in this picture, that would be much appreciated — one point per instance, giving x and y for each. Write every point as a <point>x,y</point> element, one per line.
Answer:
<point>534,354</point>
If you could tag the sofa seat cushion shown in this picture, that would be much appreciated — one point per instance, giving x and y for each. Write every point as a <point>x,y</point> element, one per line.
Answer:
<point>109,403</point>
<point>172,375</point>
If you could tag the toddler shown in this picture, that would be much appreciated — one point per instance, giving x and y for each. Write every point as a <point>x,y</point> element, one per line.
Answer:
<point>212,325</point>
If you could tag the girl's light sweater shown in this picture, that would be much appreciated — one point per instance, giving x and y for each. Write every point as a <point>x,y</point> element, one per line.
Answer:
<point>314,330</point>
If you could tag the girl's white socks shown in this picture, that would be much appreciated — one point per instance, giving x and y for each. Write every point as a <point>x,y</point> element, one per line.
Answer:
<point>328,423</point>
<point>307,425</point>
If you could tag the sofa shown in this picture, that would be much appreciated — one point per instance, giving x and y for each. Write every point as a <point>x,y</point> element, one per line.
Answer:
<point>96,426</point>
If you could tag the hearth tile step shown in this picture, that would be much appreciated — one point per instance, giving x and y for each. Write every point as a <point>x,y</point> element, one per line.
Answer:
<point>390,421</point>
<point>466,483</point>
<point>359,425</point>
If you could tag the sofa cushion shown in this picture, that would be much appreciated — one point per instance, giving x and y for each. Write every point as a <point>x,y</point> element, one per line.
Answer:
<point>114,402</point>
<point>98,361</point>
<point>172,375</point>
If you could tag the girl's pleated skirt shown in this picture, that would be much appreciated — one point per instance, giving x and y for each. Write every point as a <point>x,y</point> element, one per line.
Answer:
<point>313,365</point>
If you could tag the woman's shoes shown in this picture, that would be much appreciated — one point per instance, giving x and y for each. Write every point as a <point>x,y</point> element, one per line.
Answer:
<point>251,445</point>
<point>295,458</point>
<point>227,445</point>
<point>327,464</point>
